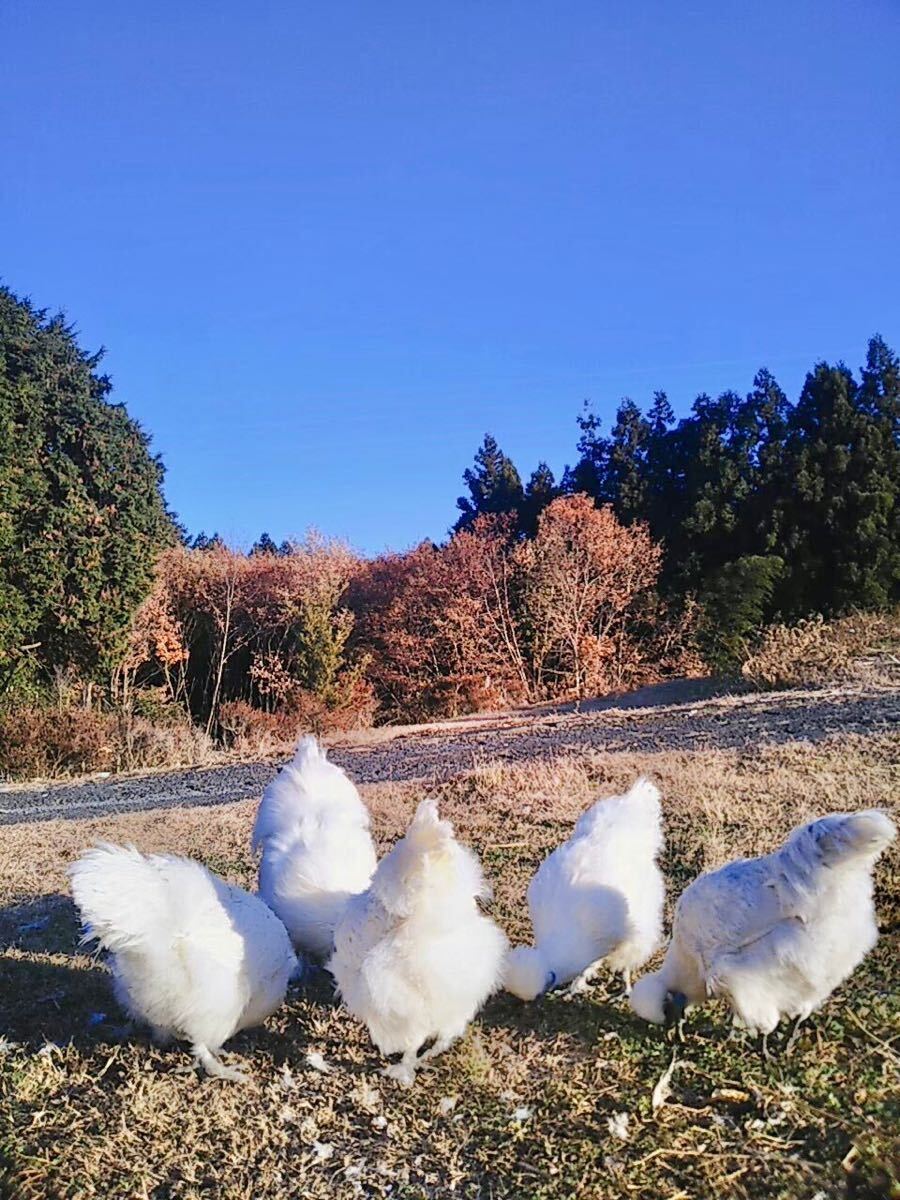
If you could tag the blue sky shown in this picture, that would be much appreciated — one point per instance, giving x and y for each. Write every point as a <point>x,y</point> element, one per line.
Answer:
<point>329,246</point>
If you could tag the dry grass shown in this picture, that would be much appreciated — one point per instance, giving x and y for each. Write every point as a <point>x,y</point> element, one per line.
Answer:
<point>48,743</point>
<point>527,1105</point>
<point>863,648</point>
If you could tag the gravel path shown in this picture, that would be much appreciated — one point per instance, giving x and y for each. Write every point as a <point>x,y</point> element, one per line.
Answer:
<point>439,752</point>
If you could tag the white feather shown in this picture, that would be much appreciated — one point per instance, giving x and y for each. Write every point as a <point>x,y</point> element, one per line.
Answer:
<point>193,957</point>
<point>775,936</point>
<point>597,896</point>
<point>317,850</point>
<point>414,958</point>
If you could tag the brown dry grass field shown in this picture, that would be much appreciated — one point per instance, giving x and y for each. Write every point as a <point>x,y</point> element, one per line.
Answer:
<point>548,1100</point>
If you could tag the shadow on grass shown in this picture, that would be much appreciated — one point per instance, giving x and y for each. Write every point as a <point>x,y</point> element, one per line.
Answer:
<point>589,1018</point>
<point>47,1000</point>
<point>48,924</point>
<point>51,993</point>
<point>286,1037</point>
<point>48,991</point>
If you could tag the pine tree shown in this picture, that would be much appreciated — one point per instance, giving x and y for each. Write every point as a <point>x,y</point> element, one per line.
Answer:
<point>540,491</point>
<point>494,485</point>
<point>614,470</point>
<point>206,541</point>
<point>661,483</point>
<point>589,473</point>
<point>626,485</point>
<point>879,399</point>
<point>263,545</point>
<point>660,416</point>
<point>753,478</point>
<point>717,504</point>
<point>770,410</point>
<point>322,633</point>
<point>838,522</point>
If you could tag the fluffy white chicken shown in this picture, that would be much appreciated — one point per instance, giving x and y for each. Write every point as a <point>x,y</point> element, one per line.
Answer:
<point>774,936</point>
<point>317,850</point>
<point>598,896</point>
<point>193,957</point>
<point>414,958</point>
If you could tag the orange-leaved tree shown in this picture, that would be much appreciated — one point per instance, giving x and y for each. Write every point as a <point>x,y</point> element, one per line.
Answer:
<point>267,630</point>
<point>584,577</point>
<point>438,625</point>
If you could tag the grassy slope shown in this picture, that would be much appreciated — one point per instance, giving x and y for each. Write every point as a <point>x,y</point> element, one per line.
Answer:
<point>527,1104</point>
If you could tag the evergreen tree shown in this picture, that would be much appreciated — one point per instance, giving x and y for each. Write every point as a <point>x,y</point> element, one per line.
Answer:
<point>770,410</point>
<point>614,470</point>
<point>719,479</point>
<point>205,541</point>
<point>494,485</point>
<point>540,491</point>
<point>660,416</point>
<point>263,545</point>
<point>626,483</point>
<point>838,520</point>
<point>82,514</point>
<point>713,490</point>
<point>880,390</point>
<point>661,483</point>
<point>589,473</point>
<point>322,633</point>
<point>632,469</point>
<point>736,600</point>
<point>879,398</point>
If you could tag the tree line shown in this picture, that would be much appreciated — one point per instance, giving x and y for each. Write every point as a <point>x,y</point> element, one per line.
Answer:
<point>667,544</point>
<point>764,509</point>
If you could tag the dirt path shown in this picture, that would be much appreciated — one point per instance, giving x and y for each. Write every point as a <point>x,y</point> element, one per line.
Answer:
<point>667,718</point>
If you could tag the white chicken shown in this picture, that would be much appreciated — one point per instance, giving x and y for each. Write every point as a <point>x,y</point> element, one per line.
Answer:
<point>414,958</point>
<point>193,957</point>
<point>598,896</point>
<point>773,936</point>
<point>317,850</point>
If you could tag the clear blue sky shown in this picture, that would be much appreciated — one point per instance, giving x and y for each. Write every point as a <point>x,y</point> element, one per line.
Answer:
<point>328,245</point>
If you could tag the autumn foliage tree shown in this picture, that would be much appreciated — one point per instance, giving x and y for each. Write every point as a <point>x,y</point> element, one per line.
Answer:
<point>432,625</point>
<point>584,576</point>
<point>265,630</point>
<point>490,619</point>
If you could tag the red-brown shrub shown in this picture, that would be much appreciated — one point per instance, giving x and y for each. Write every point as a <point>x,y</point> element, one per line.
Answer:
<point>433,625</point>
<point>47,742</point>
<point>253,731</point>
<point>36,742</point>
<point>225,626</point>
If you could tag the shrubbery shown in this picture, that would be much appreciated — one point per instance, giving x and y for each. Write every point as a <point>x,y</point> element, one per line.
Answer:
<point>44,742</point>
<point>864,647</point>
<point>734,605</point>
